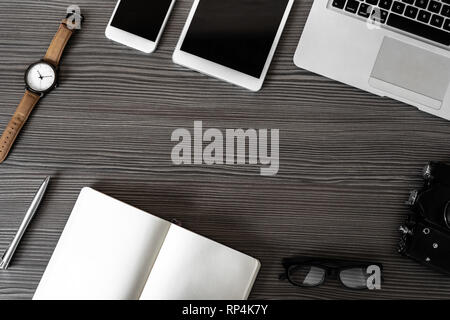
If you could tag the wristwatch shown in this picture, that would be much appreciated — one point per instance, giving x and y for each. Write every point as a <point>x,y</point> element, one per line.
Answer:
<point>40,78</point>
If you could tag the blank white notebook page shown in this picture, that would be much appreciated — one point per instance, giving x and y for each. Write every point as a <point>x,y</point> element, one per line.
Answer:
<point>106,251</point>
<point>191,267</point>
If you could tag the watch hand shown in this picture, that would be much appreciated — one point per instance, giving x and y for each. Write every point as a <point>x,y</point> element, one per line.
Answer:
<point>40,75</point>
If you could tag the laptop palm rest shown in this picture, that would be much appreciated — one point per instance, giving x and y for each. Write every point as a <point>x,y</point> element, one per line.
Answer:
<point>411,73</point>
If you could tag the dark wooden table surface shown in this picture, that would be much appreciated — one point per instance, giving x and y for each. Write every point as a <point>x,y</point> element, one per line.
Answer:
<point>348,158</point>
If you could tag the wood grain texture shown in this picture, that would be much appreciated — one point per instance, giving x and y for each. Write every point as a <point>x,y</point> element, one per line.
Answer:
<point>348,158</point>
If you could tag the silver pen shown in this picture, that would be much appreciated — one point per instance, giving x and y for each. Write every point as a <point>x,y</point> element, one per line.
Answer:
<point>9,253</point>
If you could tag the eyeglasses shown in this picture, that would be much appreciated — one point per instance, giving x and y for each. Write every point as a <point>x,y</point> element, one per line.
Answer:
<point>312,272</point>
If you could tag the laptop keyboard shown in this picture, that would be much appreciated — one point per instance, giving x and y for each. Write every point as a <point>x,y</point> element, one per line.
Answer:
<point>429,19</point>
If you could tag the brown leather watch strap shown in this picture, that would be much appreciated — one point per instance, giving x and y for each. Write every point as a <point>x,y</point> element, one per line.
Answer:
<point>19,118</point>
<point>58,44</point>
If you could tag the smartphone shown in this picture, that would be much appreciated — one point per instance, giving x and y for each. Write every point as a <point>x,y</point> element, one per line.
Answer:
<point>139,24</point>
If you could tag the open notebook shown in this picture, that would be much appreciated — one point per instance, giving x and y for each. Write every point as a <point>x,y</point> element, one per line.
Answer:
<point>110,250</point>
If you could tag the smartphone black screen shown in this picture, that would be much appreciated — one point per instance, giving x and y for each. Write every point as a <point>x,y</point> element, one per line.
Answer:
<point>143,18</point>
<point>238,34</point>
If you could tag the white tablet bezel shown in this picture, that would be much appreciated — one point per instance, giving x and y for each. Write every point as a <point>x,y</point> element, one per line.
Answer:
<point>132,40</point>
<point>219,71</point>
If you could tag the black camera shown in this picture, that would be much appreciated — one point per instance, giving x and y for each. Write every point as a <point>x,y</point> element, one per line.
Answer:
<point>426,233</point>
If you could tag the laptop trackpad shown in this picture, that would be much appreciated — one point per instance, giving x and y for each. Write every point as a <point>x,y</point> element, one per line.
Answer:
<point>411,73</point>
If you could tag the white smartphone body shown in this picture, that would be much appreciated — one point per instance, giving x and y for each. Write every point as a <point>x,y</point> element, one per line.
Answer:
<point>139,24</point>
<point>233,40</point>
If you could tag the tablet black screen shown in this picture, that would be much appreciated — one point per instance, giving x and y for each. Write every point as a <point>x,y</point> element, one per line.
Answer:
<point>237,34</point>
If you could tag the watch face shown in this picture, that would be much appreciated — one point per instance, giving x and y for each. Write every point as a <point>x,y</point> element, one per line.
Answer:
<point>40,77</point>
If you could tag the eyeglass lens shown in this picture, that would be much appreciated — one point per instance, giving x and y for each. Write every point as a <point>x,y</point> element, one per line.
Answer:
<point>306,275</point>
<point>354,278</point>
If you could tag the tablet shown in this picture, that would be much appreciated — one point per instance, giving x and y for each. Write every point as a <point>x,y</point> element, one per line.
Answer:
<point>233,40</point>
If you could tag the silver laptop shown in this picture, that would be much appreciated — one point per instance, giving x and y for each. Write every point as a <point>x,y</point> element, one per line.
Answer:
<point>399,49</point>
